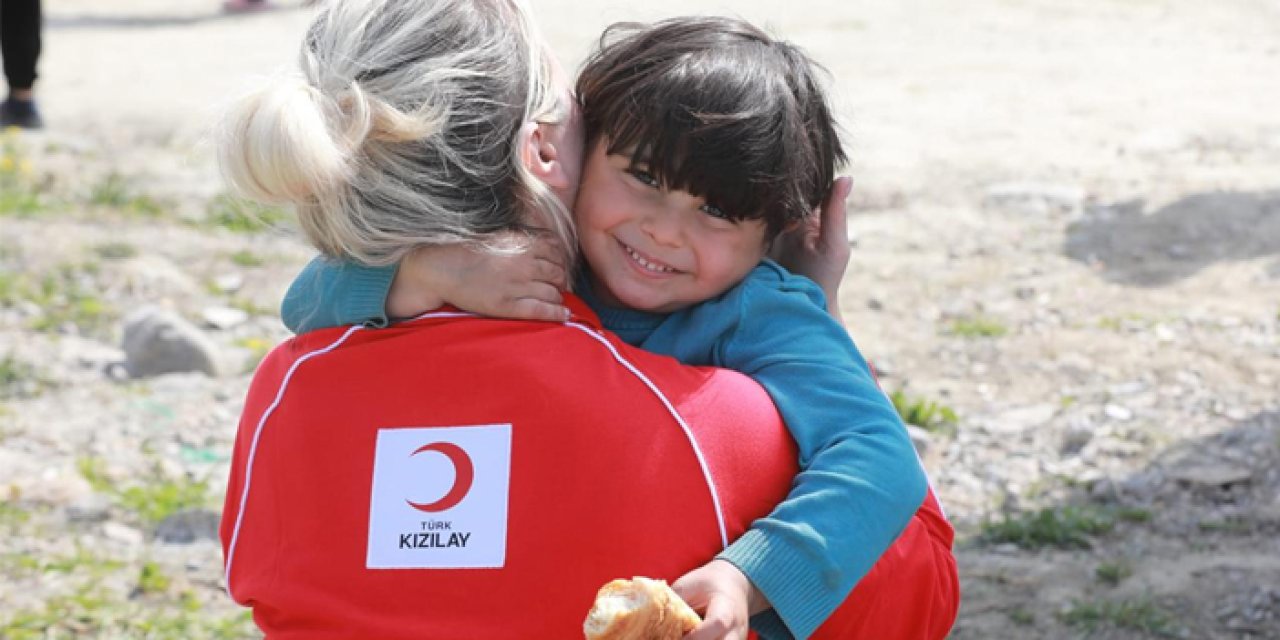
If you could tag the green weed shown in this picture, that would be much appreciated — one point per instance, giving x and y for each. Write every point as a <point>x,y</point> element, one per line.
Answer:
<point>152,579</point>
<point>154,500</point>
<point>977,327</point>
<point>243,216</point>
<point>20,196</point>
<point>1113,573</point>
<point>1065,527</point>
<point>66,296</point>
<point>1137,615</point>
<point>20,379</point>
<point>1021,617</point>
<point>114,191</point>
<point>925,413</point>
<point>115,250</point>
<point>246,258</point>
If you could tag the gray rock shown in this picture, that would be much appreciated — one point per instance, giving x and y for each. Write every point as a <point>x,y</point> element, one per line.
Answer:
<point>185,527</point>
<point>91,508</point>
<point>1210,474</point>
<point>1077,435</point>
<point>157,341</point>
<point>122,533</point>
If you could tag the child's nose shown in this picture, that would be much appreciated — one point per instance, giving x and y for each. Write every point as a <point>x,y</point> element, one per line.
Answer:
<point>663,225</point>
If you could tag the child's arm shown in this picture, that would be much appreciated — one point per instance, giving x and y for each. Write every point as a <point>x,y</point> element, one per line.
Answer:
<point>523,285</point>
<point>860,481</point>
<point>819,247</point>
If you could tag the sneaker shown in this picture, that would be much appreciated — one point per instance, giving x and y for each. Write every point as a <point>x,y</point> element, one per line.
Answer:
<point>20,113</point>
<point>245,6</point>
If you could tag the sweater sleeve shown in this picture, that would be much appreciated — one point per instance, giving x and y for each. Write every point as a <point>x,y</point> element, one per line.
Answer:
<point>860,480</point>
<point>329,293</point>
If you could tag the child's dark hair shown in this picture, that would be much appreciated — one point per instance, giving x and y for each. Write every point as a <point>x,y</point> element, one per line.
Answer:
<point>718,108</point>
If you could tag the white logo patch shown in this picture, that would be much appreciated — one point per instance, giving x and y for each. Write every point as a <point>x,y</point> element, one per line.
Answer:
<point>439,498</point>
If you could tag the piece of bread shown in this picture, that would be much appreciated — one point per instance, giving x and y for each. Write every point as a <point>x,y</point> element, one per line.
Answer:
<point>639,609</point>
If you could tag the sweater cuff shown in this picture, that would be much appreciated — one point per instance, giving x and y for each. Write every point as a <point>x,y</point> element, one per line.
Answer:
<point>368,289</point>
<point>786,578</point>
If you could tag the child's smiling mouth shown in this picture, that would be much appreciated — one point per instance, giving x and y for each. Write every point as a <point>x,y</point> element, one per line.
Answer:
<point>646,264</point>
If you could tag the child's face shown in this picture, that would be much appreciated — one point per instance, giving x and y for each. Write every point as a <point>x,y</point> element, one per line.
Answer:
<point>656,250</point>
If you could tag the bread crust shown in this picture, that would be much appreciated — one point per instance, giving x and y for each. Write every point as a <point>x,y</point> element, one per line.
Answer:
<point>661,614</point>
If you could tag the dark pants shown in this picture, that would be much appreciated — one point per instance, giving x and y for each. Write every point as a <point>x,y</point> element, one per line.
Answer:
<point>20,41</point>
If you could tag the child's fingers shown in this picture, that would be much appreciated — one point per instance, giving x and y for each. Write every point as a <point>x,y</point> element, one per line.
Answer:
<point>534,309</point>
<point>834,222</point>
<point>550,272</point>
<point>717,623</point>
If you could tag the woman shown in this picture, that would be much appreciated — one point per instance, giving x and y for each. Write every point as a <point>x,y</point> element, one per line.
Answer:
<point>441,123</point>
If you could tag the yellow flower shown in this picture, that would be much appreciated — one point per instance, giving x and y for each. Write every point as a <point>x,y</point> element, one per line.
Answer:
<point>6,164</point>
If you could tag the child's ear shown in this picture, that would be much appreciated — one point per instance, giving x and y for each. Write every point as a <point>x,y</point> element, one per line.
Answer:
<point>541,156</point>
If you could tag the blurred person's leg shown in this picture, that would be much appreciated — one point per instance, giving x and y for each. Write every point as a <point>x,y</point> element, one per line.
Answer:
<point>20,45</point>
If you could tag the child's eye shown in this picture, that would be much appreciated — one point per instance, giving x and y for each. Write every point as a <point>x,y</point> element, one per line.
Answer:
<point>644,177</point>
<point>715,212</point>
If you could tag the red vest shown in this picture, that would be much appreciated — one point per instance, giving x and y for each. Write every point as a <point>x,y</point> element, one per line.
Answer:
<point>456,477</point>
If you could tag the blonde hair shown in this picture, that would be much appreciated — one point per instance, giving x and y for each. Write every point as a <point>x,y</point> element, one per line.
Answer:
<point>400,129</point>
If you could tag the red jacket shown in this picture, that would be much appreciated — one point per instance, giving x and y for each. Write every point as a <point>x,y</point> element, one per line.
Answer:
<point>457,477</point>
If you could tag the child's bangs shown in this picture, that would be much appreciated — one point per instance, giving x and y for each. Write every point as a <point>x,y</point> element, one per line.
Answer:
<point>702,138</point>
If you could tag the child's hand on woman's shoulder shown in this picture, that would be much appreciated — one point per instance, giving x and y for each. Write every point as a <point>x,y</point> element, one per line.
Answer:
<point>521,285</point>
<point>818,248</point>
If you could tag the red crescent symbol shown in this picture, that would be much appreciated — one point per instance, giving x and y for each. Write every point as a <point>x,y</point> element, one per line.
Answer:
<point>464,474</point>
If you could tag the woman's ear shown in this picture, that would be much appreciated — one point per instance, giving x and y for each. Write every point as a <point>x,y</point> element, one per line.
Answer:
<point>541,156</point>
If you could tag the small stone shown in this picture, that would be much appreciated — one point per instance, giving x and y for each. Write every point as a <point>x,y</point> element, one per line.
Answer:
<point>91,508</point>
<point>113,530</point>
<point>1210,474</point>
<point>1075,438</point>
<point>228,283</point>
<point>223,317</point>
<point>875,304</point>
<point>1033,198</point>
<point>185,527</point>
<point>157,341</point>
<point>1117,412</point>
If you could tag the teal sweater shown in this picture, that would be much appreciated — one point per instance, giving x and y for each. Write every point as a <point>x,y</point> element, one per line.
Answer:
<point>860,480</point>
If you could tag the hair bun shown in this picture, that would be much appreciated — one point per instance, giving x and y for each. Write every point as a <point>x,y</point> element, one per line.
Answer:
<point>280,144</point>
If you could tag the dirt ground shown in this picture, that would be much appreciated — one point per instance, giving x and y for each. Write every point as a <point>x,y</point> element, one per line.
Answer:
<point>1067,233</point>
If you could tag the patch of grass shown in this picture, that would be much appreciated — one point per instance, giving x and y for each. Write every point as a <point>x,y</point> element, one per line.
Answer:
<point>1066,527</point>
<point>1137,615</point>
<point>20,379</point>
<point>20,196</point>
<point>1021,617</point>
<point>250,307</point>
<point>246,258</point>
<point>258,347</point>
<point>977,327</point>
<point>243,216</point>
<point>1113,573</point>
<point>115,250</point>
<point>92,611</point>
<point>155,499</point>
<point>67,295</point>
<point>114,191</point>
<point>12,515</point>
<point>925,413</point>
<point>152,579</point>
<point>1226,525</point>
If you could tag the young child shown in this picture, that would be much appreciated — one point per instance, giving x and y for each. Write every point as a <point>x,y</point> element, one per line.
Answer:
<point>706,138</point>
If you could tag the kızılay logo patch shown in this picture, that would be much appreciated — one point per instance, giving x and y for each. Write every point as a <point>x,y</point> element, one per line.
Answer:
<point>439,497</point>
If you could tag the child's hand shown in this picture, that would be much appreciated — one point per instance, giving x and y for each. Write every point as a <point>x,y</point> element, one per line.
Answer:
<point>726,598</point>
<point>523,286</point>
<point>819,247</point>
